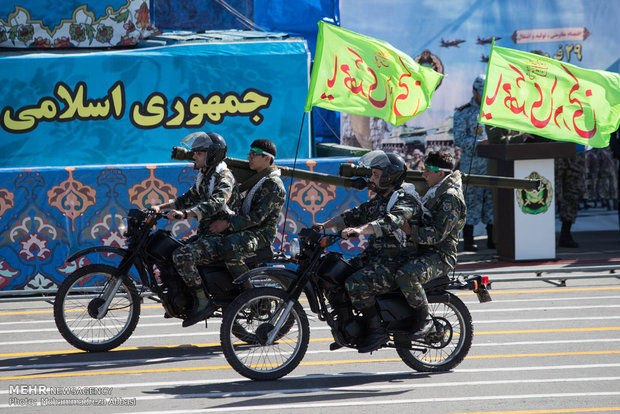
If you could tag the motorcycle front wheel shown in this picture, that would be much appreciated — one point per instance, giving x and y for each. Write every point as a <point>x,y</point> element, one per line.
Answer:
<point>447,346</point>
<point>253,310</point>
<point>77,303</point>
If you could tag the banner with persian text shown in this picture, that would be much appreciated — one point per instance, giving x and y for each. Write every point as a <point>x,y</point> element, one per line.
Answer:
<point>560,101</point>
<point>133,106</point>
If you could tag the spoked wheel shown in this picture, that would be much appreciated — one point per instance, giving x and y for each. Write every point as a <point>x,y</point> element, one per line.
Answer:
<point>263,280</point>
<point>254,310</point>
<point>448,345</point>
<point>77,309</point>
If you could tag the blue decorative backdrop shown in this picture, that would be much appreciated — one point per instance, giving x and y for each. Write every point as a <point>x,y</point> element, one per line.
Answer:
<point>46,214</point>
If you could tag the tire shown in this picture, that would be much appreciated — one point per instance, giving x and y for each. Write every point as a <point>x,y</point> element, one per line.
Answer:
<point>446,348</point>
<point>264,280</point>
<point>251,310</point>
<point>83,289</point>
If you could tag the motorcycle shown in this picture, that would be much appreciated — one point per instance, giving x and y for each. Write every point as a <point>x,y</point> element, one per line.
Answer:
<point>280,326</point>
<point>97,307</point>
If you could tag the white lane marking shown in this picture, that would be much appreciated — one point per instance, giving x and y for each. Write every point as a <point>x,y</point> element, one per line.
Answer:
<point>356,402</point>
<point>211,357</point>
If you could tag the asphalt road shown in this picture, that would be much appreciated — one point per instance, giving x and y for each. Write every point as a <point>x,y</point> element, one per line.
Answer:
<point>537,348</point>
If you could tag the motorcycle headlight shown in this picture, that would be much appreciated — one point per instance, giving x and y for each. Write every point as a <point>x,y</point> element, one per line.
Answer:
<point>294,248</point>
<point>122,228</point>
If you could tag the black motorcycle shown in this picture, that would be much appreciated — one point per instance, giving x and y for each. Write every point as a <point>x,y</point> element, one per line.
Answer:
<point>280,325</point>
<point>97,307</point>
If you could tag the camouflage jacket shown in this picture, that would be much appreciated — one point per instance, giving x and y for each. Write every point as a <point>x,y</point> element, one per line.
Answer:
<point>262,218</point>
<point>385,224</point>
<point>439,231</point>
<point>465,128</point>
<point>210,206</point>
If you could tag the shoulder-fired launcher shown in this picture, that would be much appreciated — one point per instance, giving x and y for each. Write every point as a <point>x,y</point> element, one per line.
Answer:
<point>352,175</point>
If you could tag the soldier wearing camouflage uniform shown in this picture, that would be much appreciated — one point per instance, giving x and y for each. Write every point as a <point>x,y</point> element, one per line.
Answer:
<point>254,225</point>
<point>437,236</point>
<point>381,218</point>
<point>467,134</point>
<point>208,200</point>
<point>569,188</point>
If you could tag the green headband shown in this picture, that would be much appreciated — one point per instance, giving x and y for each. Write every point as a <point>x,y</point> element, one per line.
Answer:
<point>434,168</point>
<point>261,152</point>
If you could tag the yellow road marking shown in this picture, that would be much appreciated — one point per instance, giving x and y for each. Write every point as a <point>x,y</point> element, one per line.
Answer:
<point>308,363</point>
<point>217,344</point>
<point>552,411</point>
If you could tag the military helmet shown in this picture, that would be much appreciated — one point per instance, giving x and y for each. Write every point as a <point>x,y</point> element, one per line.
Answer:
<point>210,142</point>
<point>393,167</point>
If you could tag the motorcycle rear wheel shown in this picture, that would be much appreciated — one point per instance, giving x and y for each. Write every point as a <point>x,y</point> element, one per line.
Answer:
<point>252,310</point>
<point>448,347</point>
<point>76,304</point>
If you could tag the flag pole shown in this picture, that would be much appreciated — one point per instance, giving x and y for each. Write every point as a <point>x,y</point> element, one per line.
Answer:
<point>288,198</point>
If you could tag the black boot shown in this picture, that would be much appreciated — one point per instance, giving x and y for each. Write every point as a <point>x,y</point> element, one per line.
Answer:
<point>468,239</point>
<point>202,308</point>
<point>566,239</point>
<point>376,335</point>
<point>490,244</point>
<point>423,325</point>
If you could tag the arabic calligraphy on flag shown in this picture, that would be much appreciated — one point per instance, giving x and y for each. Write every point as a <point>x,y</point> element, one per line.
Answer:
<point>365,76</point>
<point>531,93</point>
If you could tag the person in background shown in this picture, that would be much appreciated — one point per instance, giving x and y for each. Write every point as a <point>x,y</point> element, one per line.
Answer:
<point>569,188</point>
<point>468,134</point>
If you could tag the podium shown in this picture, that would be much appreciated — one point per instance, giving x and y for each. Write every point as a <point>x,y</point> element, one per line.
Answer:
<point>524,221</point>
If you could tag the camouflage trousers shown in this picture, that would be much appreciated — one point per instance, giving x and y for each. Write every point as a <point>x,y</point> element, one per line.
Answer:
<point>569,185</point>
<point>377,276</point>
<point>479,202</point>
<point>211,248</point>
<point>421,269</point>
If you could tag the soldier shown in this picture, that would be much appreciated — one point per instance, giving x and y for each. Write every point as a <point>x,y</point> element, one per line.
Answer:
<point>381,219</point>
<point>254,225</point>
<point>479,200</point>
<point>208,200</point>
<point>437,235</point>
<point>569,188</point>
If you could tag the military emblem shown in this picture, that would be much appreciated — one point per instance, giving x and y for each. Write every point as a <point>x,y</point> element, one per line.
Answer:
<point>536,201</point>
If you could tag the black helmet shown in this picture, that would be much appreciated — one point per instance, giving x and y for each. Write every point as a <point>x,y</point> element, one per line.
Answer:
<point>392,166</point>
<point>212,143</point>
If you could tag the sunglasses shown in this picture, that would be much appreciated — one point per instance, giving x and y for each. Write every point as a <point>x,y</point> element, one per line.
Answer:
<point>258,151</point>
<point>435,169</point>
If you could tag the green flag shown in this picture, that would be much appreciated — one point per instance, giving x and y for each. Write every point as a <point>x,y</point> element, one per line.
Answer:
<point>365,76</point>
<point>542,96</point>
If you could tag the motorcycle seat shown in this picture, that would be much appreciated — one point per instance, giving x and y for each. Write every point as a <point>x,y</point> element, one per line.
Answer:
<point>262,255</point>
<point>254,259</point>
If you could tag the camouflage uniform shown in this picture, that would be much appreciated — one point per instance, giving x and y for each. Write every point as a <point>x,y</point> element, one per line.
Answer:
<point>256,229</point>
<point>438,238</point>
<point>385,252</point>
<point>478,199</point>
<point>569,185</point>
<point>208,206</point>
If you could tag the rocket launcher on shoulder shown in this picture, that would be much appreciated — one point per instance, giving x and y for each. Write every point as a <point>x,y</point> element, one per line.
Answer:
<point>352,175</point>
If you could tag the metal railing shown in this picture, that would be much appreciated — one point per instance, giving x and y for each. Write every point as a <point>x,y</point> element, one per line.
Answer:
<point>558,280</point>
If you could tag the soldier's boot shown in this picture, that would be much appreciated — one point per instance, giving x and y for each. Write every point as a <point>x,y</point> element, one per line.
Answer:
<point>202,308</point>
<point>468,239</point>
<point>423,324</point>
<point>566,239</point>
<point>376,335</point>
<point>490,243</point>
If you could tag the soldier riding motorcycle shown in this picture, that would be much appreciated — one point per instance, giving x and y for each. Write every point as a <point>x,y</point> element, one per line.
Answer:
<point>97,307</point>
<point>281,326</point>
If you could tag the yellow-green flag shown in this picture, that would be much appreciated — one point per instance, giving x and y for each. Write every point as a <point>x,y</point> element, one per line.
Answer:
<point>535,94</point>
<point>365,76</point>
